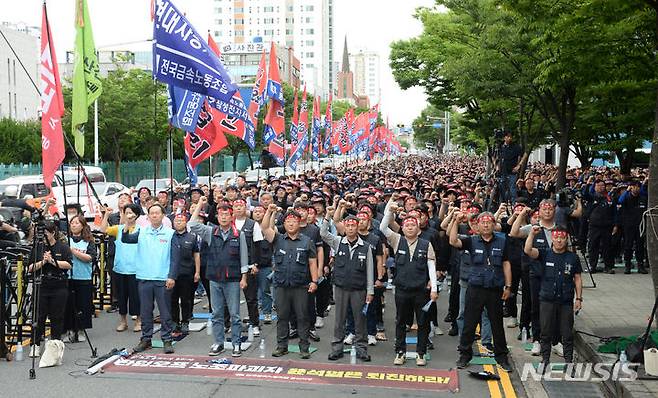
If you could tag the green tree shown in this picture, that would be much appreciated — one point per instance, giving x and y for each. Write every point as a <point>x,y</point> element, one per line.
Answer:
<point>24,140</point>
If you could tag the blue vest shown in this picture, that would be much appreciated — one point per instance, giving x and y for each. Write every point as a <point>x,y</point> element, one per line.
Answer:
<point>223,257</point>
<point>411,273</point>
<point>540,243</point>
<point>154,253</point>
<point>487,266</point>
<point>291,261</point>
<point>125,255</point>
<point>81,270</point>
<point>557,285</point>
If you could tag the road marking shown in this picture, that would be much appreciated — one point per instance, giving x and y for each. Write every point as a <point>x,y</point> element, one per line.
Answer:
<point>494,390</point>
<point>494,387</point>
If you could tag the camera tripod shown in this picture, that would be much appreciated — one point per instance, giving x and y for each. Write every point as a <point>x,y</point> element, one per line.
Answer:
<point>575,246</point>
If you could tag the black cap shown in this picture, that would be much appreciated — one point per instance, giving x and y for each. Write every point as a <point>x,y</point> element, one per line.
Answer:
<point>198,190</point>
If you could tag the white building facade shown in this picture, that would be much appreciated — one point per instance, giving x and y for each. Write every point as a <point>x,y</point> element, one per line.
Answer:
<point>18,98</point>
<point>367,76</point>
<point>304,25</point>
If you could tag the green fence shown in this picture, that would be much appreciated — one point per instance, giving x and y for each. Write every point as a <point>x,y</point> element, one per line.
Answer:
<point>133,172</point>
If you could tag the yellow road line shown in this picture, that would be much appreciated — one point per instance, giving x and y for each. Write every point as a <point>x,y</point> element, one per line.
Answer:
<point>494,390</point>
<point>507,385</point>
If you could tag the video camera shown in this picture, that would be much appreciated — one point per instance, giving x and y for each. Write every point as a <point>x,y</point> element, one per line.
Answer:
<point>566,197</point>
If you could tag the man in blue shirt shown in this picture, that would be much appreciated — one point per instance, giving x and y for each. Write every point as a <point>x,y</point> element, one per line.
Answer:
<point>156,275</point>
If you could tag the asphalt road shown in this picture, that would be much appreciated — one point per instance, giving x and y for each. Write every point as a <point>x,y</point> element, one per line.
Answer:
<point>69,379</point>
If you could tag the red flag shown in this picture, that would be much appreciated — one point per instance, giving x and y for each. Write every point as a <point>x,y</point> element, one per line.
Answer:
<point>52,106</point>
<point>257,94</point>
<point>275,117</point>
<point>208,138</point>
<point>213,45</point>
<point>361,127</point>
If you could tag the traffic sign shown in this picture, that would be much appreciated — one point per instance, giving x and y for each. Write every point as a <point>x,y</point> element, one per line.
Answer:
<point>437,125</point>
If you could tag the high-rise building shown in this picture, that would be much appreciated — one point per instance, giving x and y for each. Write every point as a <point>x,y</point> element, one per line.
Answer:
<point>18,97</point>
<point>365,66</point>
<point>304,25</point>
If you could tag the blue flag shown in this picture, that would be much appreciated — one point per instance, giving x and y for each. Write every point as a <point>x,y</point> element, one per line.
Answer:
<point>236,109</point>
<point>299,151</point>
<point>191,171</point>
<point>184,107</point>
<point>182,58</point>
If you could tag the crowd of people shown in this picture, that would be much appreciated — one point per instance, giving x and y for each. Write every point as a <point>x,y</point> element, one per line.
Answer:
<point>295,246</point>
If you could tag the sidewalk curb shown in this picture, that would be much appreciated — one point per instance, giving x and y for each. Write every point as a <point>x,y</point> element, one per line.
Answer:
<point>586,346</point>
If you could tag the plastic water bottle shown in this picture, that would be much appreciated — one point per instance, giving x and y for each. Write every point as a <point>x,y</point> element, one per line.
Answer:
<point>353,355</point>
<point>622,357</point>
<point>524,336</point>
<point>250,333</point>
<point>18,355</point>
<point>261,348</point>
<point>209,327</point>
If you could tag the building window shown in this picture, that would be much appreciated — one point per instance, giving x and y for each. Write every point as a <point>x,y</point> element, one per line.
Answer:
<point>218,21</point>
<point>239,10</point>
<point>239,33</point>
<point>268,20</point>
<point>268,32</point>
<point>268,9</point>
<point>218,33</point>
<point>218,10</point>
<point>309,8</point>
<point>310,31</point>
<point>239,21</point>
<point>310,43</point>
<point>308,20</point>
<point>288,31</point>
<point>310,54</point>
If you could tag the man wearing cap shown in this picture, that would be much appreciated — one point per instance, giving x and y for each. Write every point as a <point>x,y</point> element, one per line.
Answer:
<point>632,205</point>
<point>295,277</point>
<point>227,268</point>
<point>560,275</point>
<point>354,284</point>
<point>415,281</point>
<point>489,276</point>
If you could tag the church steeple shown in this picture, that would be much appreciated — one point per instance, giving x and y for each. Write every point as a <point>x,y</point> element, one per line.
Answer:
<point>346,58</point>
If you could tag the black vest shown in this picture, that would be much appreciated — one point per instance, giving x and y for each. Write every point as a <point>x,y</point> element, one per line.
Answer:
<point>411,273</point>
<point>350,273</point>
<point>223,257</point>
<point>248,231</point>
<point>487,265</point>
<point>557,285</point>
<point>291,261</point>
<point>540,243</point>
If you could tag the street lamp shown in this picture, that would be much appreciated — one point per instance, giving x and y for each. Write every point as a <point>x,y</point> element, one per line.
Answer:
<point>446,137</point>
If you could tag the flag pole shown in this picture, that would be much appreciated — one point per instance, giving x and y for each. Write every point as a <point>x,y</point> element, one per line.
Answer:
<point>96,133</point>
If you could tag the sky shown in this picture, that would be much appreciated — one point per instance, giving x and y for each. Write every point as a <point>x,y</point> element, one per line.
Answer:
<point>369,25</point>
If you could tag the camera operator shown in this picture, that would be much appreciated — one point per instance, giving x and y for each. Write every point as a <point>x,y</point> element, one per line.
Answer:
<point>54,259</point>
<point>601,214</point>
<point>509,164</point>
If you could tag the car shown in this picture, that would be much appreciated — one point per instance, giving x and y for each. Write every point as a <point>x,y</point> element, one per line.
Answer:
<point>33,186</point>
<point>221,177</point>
<point>94,173</point>
<point>253,176</point>
<point>160,184</point>
<point>108,192</point>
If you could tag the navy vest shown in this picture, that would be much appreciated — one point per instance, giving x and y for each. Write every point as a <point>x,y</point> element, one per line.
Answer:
<point>350,273</point>
<point>291,261</point>
<point>223,257</point>
<point>487,265</point>
<point>557,285</point>
<point>411,273</point>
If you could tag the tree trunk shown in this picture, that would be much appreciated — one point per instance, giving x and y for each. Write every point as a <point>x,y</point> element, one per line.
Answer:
<point>251,162</point>
<point>564,159</point>
<point>235,161</point>
<point>652,216</point>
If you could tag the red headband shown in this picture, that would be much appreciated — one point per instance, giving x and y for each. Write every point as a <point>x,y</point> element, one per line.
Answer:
<point>485,217</point>
<point>410,220</point>
<point>414,214</point>
<point>362,215</point>
<point>351,221</point>
<point>238,201</point>
<point>473,210</point>
<point>559,234</point>
<point>546,204</point>
<point>292,215</point>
